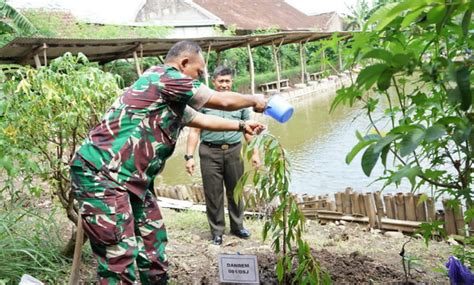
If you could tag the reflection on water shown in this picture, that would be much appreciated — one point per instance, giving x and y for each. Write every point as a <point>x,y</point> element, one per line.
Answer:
<point>317,143</point>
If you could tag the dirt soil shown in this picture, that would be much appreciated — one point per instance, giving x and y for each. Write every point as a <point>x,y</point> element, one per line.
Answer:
<point>351,253</point>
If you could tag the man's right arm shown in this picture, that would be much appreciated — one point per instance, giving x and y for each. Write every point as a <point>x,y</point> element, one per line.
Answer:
<point>231,101</point>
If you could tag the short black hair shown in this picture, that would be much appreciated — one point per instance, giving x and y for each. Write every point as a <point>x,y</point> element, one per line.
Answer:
<point>222,70</point>
<point>183,47</point>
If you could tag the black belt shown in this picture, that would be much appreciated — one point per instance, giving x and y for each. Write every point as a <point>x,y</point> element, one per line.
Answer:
<point>223,146</point>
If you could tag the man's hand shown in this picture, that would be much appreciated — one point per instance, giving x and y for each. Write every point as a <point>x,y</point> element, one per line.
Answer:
<point>256,160</point>
<point>253,128</point>
<point>190,166</point>
<point>260,104</point>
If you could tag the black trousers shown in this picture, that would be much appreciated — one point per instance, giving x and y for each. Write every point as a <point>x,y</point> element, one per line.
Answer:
<point>218,168</point>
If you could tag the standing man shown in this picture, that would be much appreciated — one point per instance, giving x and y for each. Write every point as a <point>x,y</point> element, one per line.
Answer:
<point>221,164</point>
<point>113,171</point>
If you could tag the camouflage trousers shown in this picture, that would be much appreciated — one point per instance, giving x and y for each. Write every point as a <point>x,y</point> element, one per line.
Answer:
<point>122,228</point>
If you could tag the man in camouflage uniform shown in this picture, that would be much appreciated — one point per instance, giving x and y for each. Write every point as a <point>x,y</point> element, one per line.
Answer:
<point>113,171</point>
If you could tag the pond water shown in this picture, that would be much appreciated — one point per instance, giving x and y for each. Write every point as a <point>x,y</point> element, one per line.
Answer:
<point>317,142</point>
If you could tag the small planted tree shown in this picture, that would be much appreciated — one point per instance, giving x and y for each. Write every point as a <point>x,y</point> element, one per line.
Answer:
<point>415,88</point>
<point>285,223</point>
<point>45,114</point>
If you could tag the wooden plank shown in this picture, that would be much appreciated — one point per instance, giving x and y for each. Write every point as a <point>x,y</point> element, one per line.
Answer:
<point>363,210</point>
<point>400,206</point>
<point>410,211</point>
<point>251,69</point>
<point>459,219</point>
<point>338,198</point>
<point>398,225</point>
<point>379,207</point>
<point>346,201</point>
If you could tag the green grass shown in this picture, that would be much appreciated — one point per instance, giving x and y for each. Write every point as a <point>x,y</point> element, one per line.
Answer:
<point>30,243</point>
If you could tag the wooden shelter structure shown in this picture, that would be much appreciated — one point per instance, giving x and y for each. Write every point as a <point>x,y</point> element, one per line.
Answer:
<point>38,51</point>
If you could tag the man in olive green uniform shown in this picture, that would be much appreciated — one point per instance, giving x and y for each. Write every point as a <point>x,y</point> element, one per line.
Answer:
<point>113,171</point>
<point>219,153</point>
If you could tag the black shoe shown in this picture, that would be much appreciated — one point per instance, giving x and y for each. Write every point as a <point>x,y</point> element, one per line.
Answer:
<point>216,240</point>
<point>242,233</point>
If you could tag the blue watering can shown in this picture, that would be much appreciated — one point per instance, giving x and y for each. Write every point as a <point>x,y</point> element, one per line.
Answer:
<point>279,109</point>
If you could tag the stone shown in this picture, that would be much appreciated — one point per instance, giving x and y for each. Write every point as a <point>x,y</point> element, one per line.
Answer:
<point>452,241</point>
<point>393,234</point>
<point>342,222</point>
<point>300,85</point>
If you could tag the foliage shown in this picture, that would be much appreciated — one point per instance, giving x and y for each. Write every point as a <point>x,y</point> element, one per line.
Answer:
<point>358,15</point>
<point>44,114</point>
<point>417,68</point>
<point>29,244</point>
<point>286,223</point>
<point>12,22</point>
<point>126,69</point>
<point>63,25</point>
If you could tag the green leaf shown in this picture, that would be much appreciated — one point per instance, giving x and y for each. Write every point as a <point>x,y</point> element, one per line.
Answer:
<point>462,79</point>
<point>357,148</point>
<point>369,75</point>
<point>434,132</point>
<point>466,20</point>
<point>379,54</point>
<point>384,80</point>
<point>411,17</point>
<point>369,159</point>
<point>383,142</point>
<point>436,14</point>
<point>411,141</point>
<point>384,154</point>
<point>279,269</point>
<point>408,172</point>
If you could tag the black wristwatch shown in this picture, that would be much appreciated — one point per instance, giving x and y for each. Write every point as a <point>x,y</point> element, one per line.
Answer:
<point>241,126</point>
<point>188,157</point>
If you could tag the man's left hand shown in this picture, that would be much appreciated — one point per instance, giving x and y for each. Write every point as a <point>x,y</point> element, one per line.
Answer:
<point>253,128</point>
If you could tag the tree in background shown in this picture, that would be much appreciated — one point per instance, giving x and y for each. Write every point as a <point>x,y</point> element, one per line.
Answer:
<point>12,22</point>
<point>358,15</point>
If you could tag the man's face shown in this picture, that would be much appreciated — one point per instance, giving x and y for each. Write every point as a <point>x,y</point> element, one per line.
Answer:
<point>193,66</point>
<point>222,82</point>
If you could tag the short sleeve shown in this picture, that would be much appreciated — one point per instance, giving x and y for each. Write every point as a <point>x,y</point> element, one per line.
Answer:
<point>201,96</point>
<point>189,115</point>
<point>245,114</point>
<point>185,90</point>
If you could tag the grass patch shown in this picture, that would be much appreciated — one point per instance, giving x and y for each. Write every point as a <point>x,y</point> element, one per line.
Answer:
<point>30,243</point>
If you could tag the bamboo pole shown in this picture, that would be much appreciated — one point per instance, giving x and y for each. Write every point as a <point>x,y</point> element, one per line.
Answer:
<point>449,220</point>
<point>400,206</point>
<point>76,261</point>
<point>323,59</point>
<point>338,198</point>
<point>362,207</point>
<point>252,70</point>
<point>430,210</point>
<point>346,201</point>
<point>370,207</point>
<point>302,61</point>
<point>459,219</point>
<point>218,58</point>
<point>379,207</point>
<point>277,65</point>
<point>420,208</point>
<point>355,208</point>
<point>137,64</point>
<point>410,211</point>
<point>339,54</point>
<point>206,69</point>
<point>37,61</point>
<point>389,206</point>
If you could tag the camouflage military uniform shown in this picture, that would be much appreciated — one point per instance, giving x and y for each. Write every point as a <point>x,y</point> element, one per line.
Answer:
<point>113,171</point>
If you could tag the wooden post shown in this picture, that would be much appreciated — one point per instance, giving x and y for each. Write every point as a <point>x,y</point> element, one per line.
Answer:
<point>37,61</point>
<point>218,57</point>
<point>346,201</point>
<point>252,70</point>
<point>137,64</point>
<point>449,220</point>
<point>141,57</point>
<point>355,204</point>
<point>323,59</point>
<point>339,53</point>
<point>302,61</point>
<point>430,210</point>
<point>277,64</point>
<point>363,209</point>
<point>389,206</point>
<point>459,219</point>
<point>410,211</point>
<point>338,198</point>
<point>370,207</point>
<point>420,209</point>
<point>379,207</point>
<point>400,205</point>
<point>206,69</point>
<point>45,56</point>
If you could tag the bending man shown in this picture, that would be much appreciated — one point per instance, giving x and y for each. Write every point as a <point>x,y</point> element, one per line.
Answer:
<point>113,171</point>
